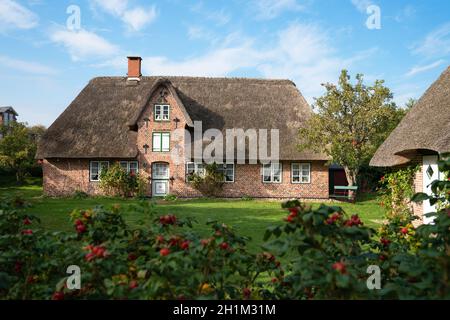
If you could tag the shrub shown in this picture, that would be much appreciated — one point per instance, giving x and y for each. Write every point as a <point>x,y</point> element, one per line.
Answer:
<point>396,190</point>
<point>118,182</point>
<point>210,183</point>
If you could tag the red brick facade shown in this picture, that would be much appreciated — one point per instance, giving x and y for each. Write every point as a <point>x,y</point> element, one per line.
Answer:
<point>65,176</point>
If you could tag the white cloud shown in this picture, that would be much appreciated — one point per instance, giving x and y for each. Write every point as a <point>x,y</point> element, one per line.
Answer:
<point>218,17</point>
<point>83,44</point>
<point>436,43</point>
<point>26,66</point>
<point>300,52</point>
<point>269,9</point>
<point>419,69</point>
<point>135,18</point>
<point>361,5</point>
<point>14,15</point>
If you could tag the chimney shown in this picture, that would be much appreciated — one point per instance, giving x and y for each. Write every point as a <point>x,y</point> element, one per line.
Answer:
<point>134,68</point>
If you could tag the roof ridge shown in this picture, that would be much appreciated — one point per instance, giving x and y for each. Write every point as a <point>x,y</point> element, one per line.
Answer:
<point>200,78</point>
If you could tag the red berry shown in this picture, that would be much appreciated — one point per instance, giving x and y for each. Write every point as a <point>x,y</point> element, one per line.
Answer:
<point>26,221</point>
<point>385,242</point>
<point>293,211</point>
<point>58,295</point>
<point>246,292</point>
<point>27,232</point>
<point>204,242</point>
<point>184,245</point>
<point>133,284</point>
<point>164,252</point>
<point>81,228</point>
<point>382,257</point>
<point>224,246</point>
<point>99,251</point>
<point>290,218</point>
<point>89,256</point>
<point>78,222</point>
<point>340,267</point>
<point>132,257</point>
<point>159,239</point>
<point>404,230</point>
<point>274,280</point>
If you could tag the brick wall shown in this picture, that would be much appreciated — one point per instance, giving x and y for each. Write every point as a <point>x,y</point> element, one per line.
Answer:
<point>64,177</point>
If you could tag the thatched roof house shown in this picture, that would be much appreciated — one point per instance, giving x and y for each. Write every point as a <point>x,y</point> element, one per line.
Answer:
<point>421,136</point>
<point>425,129</point>
<point>133,120</point>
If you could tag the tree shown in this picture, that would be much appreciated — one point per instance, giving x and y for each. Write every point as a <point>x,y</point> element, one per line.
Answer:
<point>18,148</point>
<point>350,122</point>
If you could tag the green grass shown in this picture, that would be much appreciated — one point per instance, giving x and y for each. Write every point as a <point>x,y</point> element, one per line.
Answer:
<point>249,217</point>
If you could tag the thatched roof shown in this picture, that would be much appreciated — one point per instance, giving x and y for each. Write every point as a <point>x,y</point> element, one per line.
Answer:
<point>8,109</point>
<point>425,128</point>
<point>100,122</point>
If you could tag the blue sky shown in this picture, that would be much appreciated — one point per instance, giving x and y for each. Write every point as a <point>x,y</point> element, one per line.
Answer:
<point>44,64</point>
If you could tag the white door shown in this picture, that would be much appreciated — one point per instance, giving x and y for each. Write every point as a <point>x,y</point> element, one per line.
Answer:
<point>430,173</point>
<point>160,179</point>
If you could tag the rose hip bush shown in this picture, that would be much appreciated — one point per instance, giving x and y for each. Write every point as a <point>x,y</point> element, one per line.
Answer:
<point>162,259</point>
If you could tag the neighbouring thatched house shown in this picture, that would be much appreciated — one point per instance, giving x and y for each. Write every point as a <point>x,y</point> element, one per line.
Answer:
<point>131,120</point>
<point>420,137</point>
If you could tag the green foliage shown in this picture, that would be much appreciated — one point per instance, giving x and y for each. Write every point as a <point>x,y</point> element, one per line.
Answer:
<point>170,197</point>
<point>210,183</point>
<point>18,148</point>
<point>162,259</point>
<point>396,188</point>
<point>116,181</point>
<point>350,122</point>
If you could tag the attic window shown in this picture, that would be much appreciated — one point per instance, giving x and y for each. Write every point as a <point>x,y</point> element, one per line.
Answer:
<point>162,112</point>
<point>430,172</point>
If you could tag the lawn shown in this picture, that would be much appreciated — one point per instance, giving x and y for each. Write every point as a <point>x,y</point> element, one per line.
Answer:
<point>249,217</point>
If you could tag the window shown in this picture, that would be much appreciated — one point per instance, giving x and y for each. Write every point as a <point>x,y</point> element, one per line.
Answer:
<point>5,118</point>
<point>130,166</point>
<point>300,173</point>
<point>271,172</point>
<point>160,171</point>
<point>161,141</point>
<point>162,112</point>
<point>96,169</point>
<point>228,171</point>
<point>194,167</point>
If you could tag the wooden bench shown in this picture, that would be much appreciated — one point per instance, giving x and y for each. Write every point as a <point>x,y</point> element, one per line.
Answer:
<point>343,192</point>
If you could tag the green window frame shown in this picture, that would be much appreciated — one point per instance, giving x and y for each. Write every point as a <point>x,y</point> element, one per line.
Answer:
<point>160,136</point>
<point>161,112</point>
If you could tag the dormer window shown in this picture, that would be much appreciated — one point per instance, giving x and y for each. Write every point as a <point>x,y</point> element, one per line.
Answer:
<point>162,112</point>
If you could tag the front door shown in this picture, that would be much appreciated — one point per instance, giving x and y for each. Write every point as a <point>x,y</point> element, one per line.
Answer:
<point>160,179</point>
<point>430,173</point>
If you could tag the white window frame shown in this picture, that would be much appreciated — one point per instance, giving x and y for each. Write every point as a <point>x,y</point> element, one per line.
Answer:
<point>159,116</point>
<point>300,171</point>
<point>158,177</point>
<point>196,169</point>
<point>99,169</point>
<point>126,165</point>
<point>161,134</point>
<point>272,170</point>
<point>223,169</point>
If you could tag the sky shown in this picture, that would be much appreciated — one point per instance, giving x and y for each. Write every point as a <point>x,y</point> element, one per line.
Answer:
<point>50,49</point>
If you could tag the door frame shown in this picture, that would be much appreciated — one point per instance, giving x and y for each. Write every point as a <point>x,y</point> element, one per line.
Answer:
<point>155,179</point>
<point>429,161</point>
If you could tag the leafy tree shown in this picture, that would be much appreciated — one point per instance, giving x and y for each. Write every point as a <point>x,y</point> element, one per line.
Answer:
<point>18,148</point>
<point>350,122</point>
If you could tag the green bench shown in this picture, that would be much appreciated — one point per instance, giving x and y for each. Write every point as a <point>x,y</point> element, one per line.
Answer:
<point>343,192</point>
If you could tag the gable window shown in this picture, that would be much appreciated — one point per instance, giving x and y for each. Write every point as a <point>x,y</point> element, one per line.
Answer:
<point>96,168</point>
<point>228,171</point>
<point>271,172</point>
<point>194,168</point>
<point>161,141</point>
<point>130,166</point>
<point>162,112</point>
<point>300,173</point>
